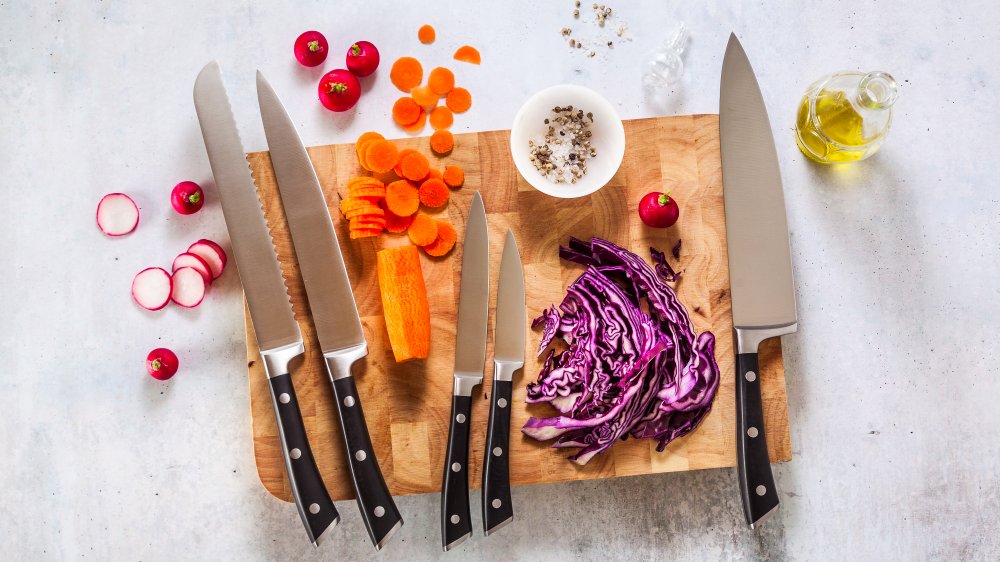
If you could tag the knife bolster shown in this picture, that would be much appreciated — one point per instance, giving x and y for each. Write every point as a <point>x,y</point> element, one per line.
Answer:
<point>276,360</point>
<point>749,339</point>
<point>338,363</point>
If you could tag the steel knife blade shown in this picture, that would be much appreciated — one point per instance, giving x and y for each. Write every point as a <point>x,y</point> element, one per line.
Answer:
<point>276,330</point>
<point>508,357</point>
<point>470,360</point>
<point>760,266</point>
<point>331,301</point>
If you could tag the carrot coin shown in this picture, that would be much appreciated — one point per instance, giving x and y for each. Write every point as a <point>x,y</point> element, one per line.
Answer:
<point>433,193</point>
<point>398,168</point>
<point>419,125</point>
<point>395,223</point>
<point>366,233</point>
<point>442,142</point>
<point>441,118</point>
<point>426,34</point>
<point>459,100</point>
<point>453,176</point>
<point>406,73</point>
<point>445,240</point>
<point>414,166</point>
<point>381,156</point>
<point>434,173</point>
<point>402,198</point>
<point>467,54</point>
<point>441,81</point>
<point>405,111</point>
<point>423,230</point>
<point>425,97</point>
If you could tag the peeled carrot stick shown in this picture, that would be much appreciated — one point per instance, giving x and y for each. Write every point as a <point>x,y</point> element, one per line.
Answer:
<point>441,118</point>
<point>406,73</point>
<point>426,34</point>
<point>402,198</point>
<point>404,302</point>
<point>381,156</point>
<point>453,176</point>
<point>433,193</point>
<point>459,100</point>
<point>441,81</point>
<point>442,142</point>
<point>423,230</point>
<point>467,54</point>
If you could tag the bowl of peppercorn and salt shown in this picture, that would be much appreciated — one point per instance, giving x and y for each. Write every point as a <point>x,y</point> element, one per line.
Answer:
<point>567,141</point>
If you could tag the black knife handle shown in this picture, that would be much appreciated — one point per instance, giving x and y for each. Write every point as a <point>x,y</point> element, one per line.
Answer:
<point>497,507</point>
<point>379,512</point>
<point>456,519</point>
<point>760,496</point>
<point>311,498</point>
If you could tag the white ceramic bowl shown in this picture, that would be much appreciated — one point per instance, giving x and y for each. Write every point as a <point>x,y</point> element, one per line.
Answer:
<point>608,138</point>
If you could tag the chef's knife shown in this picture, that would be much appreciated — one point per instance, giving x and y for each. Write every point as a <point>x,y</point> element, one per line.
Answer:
<point>277,332</point>
<point>760,265</point>
<point>508,357</point>
<point>470,360</point>
<point>331,302</point>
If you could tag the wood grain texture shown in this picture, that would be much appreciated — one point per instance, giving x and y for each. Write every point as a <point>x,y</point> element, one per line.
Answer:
<point>407,405</point>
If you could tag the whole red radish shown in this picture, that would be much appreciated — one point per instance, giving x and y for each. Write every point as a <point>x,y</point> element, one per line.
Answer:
<point>187,198</point>
<point>311,48</point>
<point>658,210</point>
<point>161,363</point>
<point>362,58</point>
<point>339,90</point>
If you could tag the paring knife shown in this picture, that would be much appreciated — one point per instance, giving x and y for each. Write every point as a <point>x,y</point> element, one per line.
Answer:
<point>277,332</point>
<point>331,301</point>
<point>760,265</point>
<point>508,357</point>
<point>470,360</point>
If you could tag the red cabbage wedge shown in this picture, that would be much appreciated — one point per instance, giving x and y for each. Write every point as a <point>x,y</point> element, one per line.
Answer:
<point>631,368</point>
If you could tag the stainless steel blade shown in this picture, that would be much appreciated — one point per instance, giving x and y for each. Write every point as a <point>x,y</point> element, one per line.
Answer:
<point>511,315</point>
<point>474,299</point>
<point>760,265</point>
<point>331,301</point>
<point>253,250</point>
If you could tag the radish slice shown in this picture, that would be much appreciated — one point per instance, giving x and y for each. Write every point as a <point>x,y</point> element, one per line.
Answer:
<point>117,214</point>
<point>212,253</point>
<point>191,260</point>
<point>188,287</point>
<point>151,288</point>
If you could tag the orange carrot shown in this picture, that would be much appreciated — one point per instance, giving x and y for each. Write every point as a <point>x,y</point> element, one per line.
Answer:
<point>362,149</point>
<point>365,233</point>
<point>395,223</point>
<point>402,198</point>
<point>414,166</point>
<point>442,142</point>
<point>351,204</point>
<point>453,176</point>
<point>424,96</point>
<point>419,125</point>
<point>434,173</point>
<point>426,34</point>
<point>406,73</point>
<point>369,192</point>
<point>398,168</point>
<point>467,54</point>
<point>433,193</point>
<point>370,211</point>
<point>445,240</point>
<point>405,111</point>
<point>441,80</point>
<point>404,302</point>
<point>459,100</point>
<point>367,223</point>
<point>423,230</point>
<point>362,181</point>
<point>360,145</point>
<point>441,118</point>
<point>381,156</point>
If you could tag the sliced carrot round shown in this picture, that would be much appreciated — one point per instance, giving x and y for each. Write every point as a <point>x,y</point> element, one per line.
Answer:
<point>434,173</point>
<point>401,198</point>
<point>395,223</point>
<point>365,233</point>
<point>441,80</point>
<point>453,176</point>
<point>442,142</point>
<point>423,230</point>
<point>371,210</point>
<point>373,191</point>
<point>362,150</point>
<point>406,73</point>
<point>381,156</point>
<point>398,168</point>
<point>445,241</point>
<point>433,193</point>
<point>367,221</point>
<point>426,34</point>
<point>414,166</point>
<point>419,125</point>
<point>362,181</point>
<point>459,100</point>
<point>425,97</point>
<point>467,54</point>
<point>351,204</point>
<point>405,111</point>
<point>441,118</point>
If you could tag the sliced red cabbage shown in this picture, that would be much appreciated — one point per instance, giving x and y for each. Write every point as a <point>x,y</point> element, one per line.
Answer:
<point>632,366</point>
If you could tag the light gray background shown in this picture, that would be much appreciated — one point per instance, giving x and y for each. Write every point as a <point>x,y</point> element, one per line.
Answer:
<point>892,379</point>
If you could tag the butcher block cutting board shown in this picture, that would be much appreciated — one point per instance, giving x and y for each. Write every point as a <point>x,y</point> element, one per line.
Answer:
<point>407,405</point>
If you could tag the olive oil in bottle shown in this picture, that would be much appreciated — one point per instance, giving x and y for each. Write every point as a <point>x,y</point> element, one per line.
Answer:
<point>844,117</point>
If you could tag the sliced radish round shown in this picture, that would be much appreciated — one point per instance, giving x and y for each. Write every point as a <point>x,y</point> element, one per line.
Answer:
<point>188,259</point>
<point>188,287</point>
<point>151,288</point>
<point>212,253</point>
<point>117,214</point>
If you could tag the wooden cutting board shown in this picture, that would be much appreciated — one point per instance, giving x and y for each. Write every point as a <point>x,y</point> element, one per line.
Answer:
<point>407,406</point>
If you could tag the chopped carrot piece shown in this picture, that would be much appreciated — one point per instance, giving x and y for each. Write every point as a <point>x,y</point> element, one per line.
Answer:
<point>362,149</point>
<point>405,111</point>
<point>367,221</point>
<point>351,204</point>
<point>433,193</point>
<point>372,191</point>
<point>398,168</point>
<point>402,198</point>
<point>425,97</point>
<point>423,230</point>
<point>365,233</point>
<point>406,73</point>
<point>441,118</point>
<point>434,173</point>
<point>426,34</point>
<point>453,176</point>
<point>419,125</point>
<point>381,156</point>
<point>459,100</point>
<point>404,302</point>
<point>362,181</point>
<point>414,166</point>
<point>467,54</point>
<point>441,81</point>
<point>442,142</point>
<point>395,223</point>
<point>361,143</point>
<point>371,210</point>
<point>445,241</point>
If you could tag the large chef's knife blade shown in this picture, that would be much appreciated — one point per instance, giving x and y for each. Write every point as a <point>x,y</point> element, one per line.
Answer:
<point>470,360</point>
<point>508,357</point>
<point>331,302</point>
<point>277,332</point>
<point>760,265</point>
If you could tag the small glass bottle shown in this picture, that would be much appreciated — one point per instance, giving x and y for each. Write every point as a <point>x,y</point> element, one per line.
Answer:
<point>844,117</point>
<point>664,67</point>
